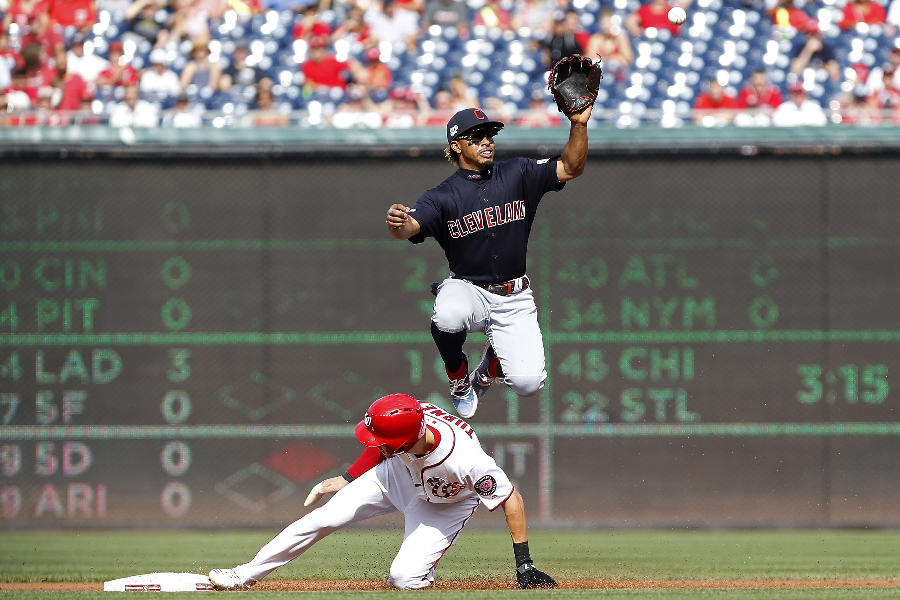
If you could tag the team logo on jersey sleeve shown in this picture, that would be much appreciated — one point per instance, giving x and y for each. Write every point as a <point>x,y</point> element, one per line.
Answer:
<point>486,486</point>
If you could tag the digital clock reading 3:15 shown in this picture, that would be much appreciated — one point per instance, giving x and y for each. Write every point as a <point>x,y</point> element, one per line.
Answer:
<point>867,383</point>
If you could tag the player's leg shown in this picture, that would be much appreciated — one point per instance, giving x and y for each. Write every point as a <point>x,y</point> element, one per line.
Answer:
<point>458,309</point>
<point>430,530</point>
<point>515,335</point>
<point>361,499</point>
<point>488,371</point>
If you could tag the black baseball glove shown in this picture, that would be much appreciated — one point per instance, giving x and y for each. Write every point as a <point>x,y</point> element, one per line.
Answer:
<point>574,81</point>
<point>529,577</point>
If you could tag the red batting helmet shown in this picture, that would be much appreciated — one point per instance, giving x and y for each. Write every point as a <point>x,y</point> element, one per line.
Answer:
<point>396,421</point>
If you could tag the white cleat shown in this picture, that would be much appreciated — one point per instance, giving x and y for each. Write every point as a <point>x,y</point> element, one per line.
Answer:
<point>226,579</point>
<point>465,402</point>
<point>463,396</point>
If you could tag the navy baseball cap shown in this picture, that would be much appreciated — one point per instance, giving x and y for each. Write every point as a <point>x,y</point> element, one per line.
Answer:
<point>465,120</point>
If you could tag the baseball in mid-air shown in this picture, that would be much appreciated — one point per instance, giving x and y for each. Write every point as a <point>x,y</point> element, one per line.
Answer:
<point>677,15</point>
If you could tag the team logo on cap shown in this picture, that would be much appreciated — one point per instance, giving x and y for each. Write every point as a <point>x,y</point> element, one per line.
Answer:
<point>486,486</point>
<point>368,421</point>
<point>453,130</point>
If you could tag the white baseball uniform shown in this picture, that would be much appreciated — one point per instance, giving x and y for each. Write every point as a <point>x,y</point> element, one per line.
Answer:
<point>510,322</point>
<point>436,493</point>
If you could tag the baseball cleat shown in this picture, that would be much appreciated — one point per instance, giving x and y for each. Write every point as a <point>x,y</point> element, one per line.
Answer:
<point>481,380</point>
<point>463,396</point>
<point>226,579</point>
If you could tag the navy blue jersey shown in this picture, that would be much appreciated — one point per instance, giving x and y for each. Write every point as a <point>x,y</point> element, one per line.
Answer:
<point>482,220</point>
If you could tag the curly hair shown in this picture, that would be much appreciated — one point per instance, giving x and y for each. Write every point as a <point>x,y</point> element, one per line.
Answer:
<point>452,156</point>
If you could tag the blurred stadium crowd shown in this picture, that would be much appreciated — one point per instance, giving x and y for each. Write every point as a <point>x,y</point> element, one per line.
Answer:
<point>405,63</point>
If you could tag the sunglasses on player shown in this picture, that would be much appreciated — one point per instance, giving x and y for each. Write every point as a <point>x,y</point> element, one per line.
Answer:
<point>479,133</point>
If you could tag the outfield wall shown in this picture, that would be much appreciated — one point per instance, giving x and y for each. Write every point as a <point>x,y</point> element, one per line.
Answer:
<point>188,341</point>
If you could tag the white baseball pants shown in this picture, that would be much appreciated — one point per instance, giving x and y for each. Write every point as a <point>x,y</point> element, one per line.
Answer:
<point>430,528</point>
<point>510,322</point>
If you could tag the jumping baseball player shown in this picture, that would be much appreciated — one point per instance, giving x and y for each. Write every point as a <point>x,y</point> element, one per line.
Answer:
<point>421,461</point>
<point>482,216</point>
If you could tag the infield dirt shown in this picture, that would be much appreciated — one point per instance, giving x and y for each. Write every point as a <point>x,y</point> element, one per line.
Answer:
<point>499,584</point>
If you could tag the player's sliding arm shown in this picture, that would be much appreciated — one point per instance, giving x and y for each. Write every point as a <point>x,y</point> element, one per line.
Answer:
<point>369,458</point>
<point>526,574</point>
<point>571,164</point>
<point>401,225</point>
<point>514,508</point>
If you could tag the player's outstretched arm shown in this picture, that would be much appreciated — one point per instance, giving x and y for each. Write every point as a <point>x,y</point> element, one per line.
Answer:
<point>574,155</point>
<point>369,458</point>
<point>400,224</point>
<point>526,573</point>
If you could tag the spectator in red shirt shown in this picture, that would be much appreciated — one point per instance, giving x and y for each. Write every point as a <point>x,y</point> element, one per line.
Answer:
<point>612,43</point>
<point>72,86</point>
<point>38,72</point>
<point>22,12</point>
<point>353,29</point>
<point>785,15</point>
<point>714,103</point>
<point>311,26</point>
<point>323,70</point>
<point>863,11</point>
<point>655,14</point>
<point>377,74</point>
<point>81,14</point>
<point>404,108</point>
<point>493,15</point>
<point>573,24</point>
<point>45,32</point>
<point>760,94</point>
<point>118,73</point>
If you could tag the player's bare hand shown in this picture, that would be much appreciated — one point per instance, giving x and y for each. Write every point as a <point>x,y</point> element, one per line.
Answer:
<point>329,485</point>
<point>582,117</point>
<point>397,216</point>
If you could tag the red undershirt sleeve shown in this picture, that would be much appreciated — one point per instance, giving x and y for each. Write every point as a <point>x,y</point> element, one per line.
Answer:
<point>368,459</point>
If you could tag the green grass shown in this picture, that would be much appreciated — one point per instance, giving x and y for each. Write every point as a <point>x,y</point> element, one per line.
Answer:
<point>366,554</point>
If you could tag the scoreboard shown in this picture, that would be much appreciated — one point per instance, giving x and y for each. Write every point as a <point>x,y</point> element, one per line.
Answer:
<point>191,343</point>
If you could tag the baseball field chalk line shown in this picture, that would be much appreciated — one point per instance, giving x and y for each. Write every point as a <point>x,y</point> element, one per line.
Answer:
<point>488,584</point>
